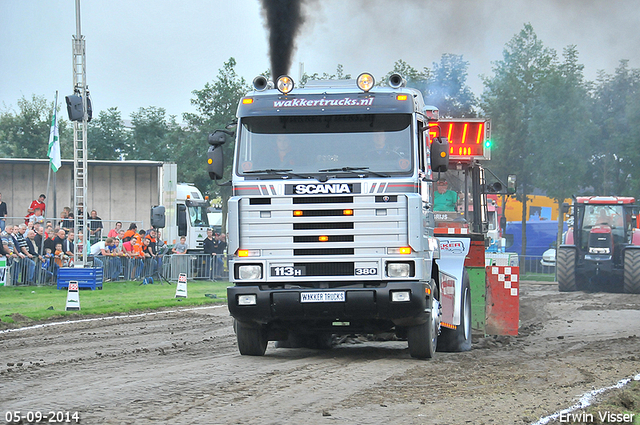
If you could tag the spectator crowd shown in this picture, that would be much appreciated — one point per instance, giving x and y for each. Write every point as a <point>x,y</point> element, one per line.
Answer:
<point>37,248</point>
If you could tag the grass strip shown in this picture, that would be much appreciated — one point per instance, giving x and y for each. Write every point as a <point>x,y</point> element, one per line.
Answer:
<point>20,304</point>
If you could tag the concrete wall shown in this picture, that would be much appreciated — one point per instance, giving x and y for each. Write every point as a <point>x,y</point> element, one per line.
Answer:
<point>118,190</point>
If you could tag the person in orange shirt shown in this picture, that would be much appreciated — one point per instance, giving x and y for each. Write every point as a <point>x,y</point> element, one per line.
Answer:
<point>133,228</point>
<point>137,257</point>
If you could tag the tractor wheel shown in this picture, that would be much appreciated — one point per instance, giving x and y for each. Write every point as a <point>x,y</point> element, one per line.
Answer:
<point>459,339</point>
<point>632,271</point>
<point>252,340</point>
<point>566,269</point>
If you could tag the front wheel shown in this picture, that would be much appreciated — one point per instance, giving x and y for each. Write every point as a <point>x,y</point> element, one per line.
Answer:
<point>252,339</point>
<point>632,271</point>
<point>423,339</point>
<point>566,269</point>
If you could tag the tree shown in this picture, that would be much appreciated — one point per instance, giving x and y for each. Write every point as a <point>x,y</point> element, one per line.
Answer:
<point>416,79</point>
<point>563,130</point>
<point>107,136</point>
<point>25,134</point>
<point>615,151</point>
<point>447,88</point>
<point>149,138</point>
<point>509,98</point>
<point>216,104</point>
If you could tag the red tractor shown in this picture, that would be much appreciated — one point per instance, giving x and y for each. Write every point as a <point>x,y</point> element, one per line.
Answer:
<point>602,245</point>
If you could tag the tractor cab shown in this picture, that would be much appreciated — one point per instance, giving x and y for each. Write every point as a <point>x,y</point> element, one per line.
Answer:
<point>600,242</point>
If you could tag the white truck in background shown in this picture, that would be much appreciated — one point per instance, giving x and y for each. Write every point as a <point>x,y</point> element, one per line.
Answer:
<point>182,211</point>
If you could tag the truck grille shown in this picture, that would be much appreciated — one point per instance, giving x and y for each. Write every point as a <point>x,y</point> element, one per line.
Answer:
<point>335,234</point>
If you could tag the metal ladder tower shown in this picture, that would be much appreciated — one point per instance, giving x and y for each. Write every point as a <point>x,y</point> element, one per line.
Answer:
<point>80,169</point>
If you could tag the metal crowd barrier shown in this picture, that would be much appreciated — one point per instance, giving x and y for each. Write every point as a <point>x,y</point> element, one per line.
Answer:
<point>195,266</point>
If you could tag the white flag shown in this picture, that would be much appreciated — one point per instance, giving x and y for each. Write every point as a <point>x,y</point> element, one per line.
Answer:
<point>54,141</point>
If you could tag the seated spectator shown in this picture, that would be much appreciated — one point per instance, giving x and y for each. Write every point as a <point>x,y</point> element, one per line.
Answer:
<point>37,217</point>
<point>38,203</point>
<point>180,248</point>
<point>133,228</point>
<point>115,231</point>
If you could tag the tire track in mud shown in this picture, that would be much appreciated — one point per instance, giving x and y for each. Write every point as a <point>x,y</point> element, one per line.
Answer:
<point>184,368</point>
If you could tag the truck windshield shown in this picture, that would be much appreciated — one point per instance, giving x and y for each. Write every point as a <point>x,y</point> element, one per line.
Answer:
<point>198,216</point>
<point>304,145</point>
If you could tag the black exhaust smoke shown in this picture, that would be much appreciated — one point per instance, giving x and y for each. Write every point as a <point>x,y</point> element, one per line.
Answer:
<point>283,20</point>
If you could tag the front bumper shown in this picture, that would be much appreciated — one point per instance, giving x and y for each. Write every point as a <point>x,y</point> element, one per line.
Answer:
<point>361,305</point>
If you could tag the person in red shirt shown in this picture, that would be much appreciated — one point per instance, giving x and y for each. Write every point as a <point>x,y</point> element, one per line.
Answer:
<point>37,203</point>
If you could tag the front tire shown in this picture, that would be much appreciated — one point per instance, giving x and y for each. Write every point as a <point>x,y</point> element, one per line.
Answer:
<point>632,271</point>
<point>423,339</point>
<point>459,339</point>
<point>252,339</point>
<point>566,268</point>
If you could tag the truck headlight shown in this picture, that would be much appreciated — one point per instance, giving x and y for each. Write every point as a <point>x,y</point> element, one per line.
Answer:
<point>398,269</point>
<point>249,299</point>
<point>250,272</point>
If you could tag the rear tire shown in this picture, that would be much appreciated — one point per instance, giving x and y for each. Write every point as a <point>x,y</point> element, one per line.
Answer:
<point>252,340</point>
<point>632,271</point>
<point>423,339</point>
<point>459,339</point>
<point>566,268</point>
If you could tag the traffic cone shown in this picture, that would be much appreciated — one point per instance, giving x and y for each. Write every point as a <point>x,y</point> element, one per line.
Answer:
<point>181,288</point>
<point>73,296</point>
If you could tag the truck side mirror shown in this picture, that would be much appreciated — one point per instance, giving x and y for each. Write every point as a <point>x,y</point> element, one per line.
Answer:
<point>215,162</point>
<point>157,216</point>
<point>565,208</point>
<point>182,220</point>
<point>440,154</point>
<point>217,138</point>
<point>503,223</point>
<point>511,183</point>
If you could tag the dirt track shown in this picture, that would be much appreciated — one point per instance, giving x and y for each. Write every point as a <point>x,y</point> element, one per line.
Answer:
<point>184,368</point>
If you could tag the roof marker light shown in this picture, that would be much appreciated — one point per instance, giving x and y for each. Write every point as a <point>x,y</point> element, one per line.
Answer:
<point>285,84</point>
<point>365,81</point>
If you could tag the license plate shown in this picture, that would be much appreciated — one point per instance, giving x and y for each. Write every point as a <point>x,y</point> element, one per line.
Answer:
<point>322,297</point>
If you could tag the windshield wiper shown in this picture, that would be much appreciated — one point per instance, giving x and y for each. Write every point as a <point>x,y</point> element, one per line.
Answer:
<point>284,173</point>
<point>353,170</point>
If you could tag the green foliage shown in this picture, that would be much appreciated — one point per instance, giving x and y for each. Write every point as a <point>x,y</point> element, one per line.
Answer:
<point>447,88</point>
<point>34,302</point>
<point>216,104</point>
<point>562,128</point>
<point>150,135</point>
<point>107,138</point>
<point>614,162</point>
<point>25,133</point>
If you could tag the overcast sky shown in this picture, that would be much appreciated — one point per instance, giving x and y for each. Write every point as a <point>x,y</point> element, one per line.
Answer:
<point>145,53</point>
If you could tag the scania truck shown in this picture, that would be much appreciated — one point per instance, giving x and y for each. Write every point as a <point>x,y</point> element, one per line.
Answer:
<point>331,220</point>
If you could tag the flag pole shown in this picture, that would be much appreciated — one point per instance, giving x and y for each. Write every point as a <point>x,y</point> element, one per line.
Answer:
<point>55,108</point>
